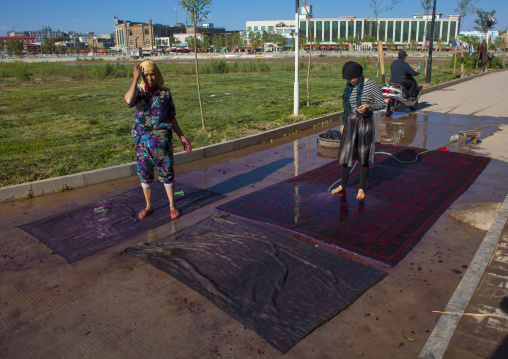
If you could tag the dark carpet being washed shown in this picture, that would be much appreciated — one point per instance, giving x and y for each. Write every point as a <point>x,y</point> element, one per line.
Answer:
<point>402,201</point>
<point>280,287</point>
<point>81,232</point>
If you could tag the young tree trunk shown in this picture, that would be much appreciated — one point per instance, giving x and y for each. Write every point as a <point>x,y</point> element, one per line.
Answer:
<point>462,70</point>
<point>454,61</point>
<point>310,55</point>
<point>197,76</point>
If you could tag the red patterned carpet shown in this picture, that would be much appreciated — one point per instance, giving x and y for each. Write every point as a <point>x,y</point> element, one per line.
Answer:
<point>403,201</point>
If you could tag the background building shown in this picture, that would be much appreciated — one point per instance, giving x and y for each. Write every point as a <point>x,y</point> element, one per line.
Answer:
<point>40,35</point>
<point>400,31</point>
<point>131,36</point>
<point>493,35</point>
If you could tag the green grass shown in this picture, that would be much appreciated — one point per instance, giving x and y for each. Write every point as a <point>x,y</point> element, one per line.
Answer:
<point>59,119</point>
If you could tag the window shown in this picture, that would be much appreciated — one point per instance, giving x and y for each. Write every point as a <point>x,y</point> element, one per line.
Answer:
<point>270,28</point>
<point>249,28</point>
<point>335,30</point>
<point>130,32</point>
<point>350,29</point>
<point>374,29</point>
<point>255,28</point>
<point>319,30</point>
<point>453,29</point>
<point>342,34</point>
<point>414,26</point>
<point>444,34</point>
<point>147,31</point>
<point>398,30</point>
<point>421,31</point>
<point>389,34</point>
<point>437,30</point>
<point>327,31</point>
<point>303,28</point>
<point>359,32</point>
<point>382,30</point>
<point>263,28</point>
<point>405,32</point>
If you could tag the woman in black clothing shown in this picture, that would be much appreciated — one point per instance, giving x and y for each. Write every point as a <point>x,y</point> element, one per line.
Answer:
<point>361,97</point>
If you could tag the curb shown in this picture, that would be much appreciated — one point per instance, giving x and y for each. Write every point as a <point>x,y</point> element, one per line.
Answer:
<point>57,184</point>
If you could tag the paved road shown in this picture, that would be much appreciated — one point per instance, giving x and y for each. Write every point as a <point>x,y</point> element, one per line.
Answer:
<point>113,306</point>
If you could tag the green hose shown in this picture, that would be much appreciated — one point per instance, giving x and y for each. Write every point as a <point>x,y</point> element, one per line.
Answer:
<point>416,158</point>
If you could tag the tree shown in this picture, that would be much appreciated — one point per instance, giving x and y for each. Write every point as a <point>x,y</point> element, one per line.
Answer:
<point>464,8</point>
<point>205,42</point>
<point>413,44</point>
<point>426,6</point>
<point>196,12</point>
<point>375,5</point>
<point>485,21</point>
<point>500,43</point>
<point>309,30</point>
<point>15,47</point>
<point>302,41</point>
<point>48,45</point>
<point>218,42</point>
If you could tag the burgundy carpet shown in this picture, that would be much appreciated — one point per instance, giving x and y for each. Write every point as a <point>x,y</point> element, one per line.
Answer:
<point>86,230</point>
<point>403,201</point>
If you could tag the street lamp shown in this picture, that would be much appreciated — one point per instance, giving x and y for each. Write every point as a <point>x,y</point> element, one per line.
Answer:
<point>429,62</point>
<point>296,86</point>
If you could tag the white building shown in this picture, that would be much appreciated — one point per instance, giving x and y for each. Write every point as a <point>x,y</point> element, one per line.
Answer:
<point>399,30</point>
<point>493,35</point>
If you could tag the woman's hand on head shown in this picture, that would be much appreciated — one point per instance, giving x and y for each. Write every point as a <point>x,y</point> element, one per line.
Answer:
<point>363,108</point>
<point>137,71</point>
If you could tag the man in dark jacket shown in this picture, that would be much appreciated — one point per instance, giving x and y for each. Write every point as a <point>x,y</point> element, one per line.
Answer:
<point>399,71</point>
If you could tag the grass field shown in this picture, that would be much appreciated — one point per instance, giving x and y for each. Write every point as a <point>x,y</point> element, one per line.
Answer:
<point>60,119</point>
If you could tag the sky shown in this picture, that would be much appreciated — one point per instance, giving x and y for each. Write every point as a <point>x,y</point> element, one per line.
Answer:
<point>98,16</point>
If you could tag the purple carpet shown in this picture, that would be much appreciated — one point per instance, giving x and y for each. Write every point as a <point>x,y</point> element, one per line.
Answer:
<point>86,230</point>
<point>277,286</point>
<point>403,201</point>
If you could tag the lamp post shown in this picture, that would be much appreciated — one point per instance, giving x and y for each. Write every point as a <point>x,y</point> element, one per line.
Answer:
<point>296,86</point>
<point>429,62</point>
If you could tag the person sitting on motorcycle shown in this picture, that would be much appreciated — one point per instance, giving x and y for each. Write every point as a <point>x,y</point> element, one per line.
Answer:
<point>400,71</point>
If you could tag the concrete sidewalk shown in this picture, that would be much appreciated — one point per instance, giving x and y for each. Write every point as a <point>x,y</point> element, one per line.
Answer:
<point>111,305</point>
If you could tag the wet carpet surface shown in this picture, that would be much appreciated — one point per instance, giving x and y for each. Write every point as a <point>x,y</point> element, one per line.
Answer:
<point>402,201</point>
<point>81,232</point>
<point>280,287</point>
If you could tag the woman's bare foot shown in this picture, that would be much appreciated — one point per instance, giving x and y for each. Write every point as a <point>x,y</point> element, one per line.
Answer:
<point>338,190</point>
<point>361,194</point>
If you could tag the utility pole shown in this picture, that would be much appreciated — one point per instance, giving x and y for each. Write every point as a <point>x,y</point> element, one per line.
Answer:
<point>297,86</point>
<point>429,63</point>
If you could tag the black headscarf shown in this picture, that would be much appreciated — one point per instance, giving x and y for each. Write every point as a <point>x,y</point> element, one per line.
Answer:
<point>352,70</point>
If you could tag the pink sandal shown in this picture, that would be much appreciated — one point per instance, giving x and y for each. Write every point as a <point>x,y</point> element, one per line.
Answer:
<point>174,214</point>
<point>144,213</point>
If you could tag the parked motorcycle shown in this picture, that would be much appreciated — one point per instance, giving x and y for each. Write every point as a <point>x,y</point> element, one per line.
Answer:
<point>395,96</point>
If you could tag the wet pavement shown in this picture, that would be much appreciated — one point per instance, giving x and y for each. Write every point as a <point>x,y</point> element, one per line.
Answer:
<point>112,305</point>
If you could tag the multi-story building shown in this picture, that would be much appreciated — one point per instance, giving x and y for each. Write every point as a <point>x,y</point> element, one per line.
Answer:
<point>46,32</point>
<point>400,31</point>
<point>132,36</point>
